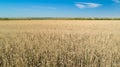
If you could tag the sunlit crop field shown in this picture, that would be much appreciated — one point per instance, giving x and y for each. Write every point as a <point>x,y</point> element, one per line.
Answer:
<point>60,43</point>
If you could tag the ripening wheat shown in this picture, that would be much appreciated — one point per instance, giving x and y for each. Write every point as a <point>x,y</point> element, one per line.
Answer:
<point>60,43</point>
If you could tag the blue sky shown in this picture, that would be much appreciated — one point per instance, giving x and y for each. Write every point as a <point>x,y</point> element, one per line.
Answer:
<point>59,8</point>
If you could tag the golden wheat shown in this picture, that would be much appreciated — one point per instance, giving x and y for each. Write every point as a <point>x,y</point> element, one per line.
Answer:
<point>60,43</point>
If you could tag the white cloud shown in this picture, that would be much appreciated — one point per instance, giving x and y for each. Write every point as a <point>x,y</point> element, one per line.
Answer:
<point>87,5</point>
<point>80,5</point>
<point>116,1</point>
<point>93,5</point>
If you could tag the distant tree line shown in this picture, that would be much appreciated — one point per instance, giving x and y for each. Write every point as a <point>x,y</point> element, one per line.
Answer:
<point>59,18</point>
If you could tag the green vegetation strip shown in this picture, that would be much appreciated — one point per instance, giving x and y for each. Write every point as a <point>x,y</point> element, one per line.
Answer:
<point>59,18</point>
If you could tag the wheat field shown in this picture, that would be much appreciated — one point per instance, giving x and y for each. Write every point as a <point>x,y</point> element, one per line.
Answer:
<point>60,43</point>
